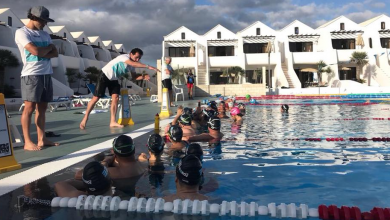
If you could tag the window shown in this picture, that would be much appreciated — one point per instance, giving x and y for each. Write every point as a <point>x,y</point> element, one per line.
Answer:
<point>83,40</point>
<point>98,44</point>
<point>257,31</point>
<point>221,51</point>
<point>111,47</point>
<point>122,50</point>
<point>183,36</point>
<point>255,48</point>
<point>296,31</point>
<point>343,44</point>
<point>64,35</point>
<point>179,51</point>
<point>219,35</point>
<point>9,21</point>
<point>370,42</point>
<point>383,25</point>
<point>301,46</point>
<point>342,27</point>
<point>385,43</point>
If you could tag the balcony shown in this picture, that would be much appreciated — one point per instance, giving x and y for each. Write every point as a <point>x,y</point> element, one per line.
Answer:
<point>345,55</point>
<point>186,62</point>
<point>307,57</point>
<point>261,58</point>
<point>224,61</point>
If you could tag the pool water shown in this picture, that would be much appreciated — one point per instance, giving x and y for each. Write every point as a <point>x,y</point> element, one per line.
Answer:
<point>257,162</point>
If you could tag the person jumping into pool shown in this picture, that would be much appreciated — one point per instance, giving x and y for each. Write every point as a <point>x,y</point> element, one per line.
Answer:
<point>214,128</point>
<point>123,164</point>
<point>236,115</point>
<point>284,108</point>
<point>95,181</point>
<point>188,179</point>
<point>109,79</point>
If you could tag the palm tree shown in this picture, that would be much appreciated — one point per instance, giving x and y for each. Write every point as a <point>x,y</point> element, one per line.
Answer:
<point>71,76</point>
<point>321,69</point>
<point>7,59</point>
<point>92,74</point>
<point>360,58</point>
<point>234,70</point>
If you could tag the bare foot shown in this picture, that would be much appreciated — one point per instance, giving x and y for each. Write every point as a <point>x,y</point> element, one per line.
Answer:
<point>83,124</point>
<point>115,125</point>
<point>47,143</point>
<point>31,147</point>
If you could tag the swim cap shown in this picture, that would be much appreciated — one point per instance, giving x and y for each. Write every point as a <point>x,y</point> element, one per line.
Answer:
<point>189,170</point>
<point>209,113</point>
<point>214,123</point>
<point>195,149</point>
<point>213,105</point>
<point>175,133</point>
<point>241,105</point>
<point>234,111</point>
<point>96,178</point>
<point>185,119</point>
<point>187,111</point>
<point>285,108</point>
<point>123,145</point>
<point>155,143</point>
<point>247,96</point>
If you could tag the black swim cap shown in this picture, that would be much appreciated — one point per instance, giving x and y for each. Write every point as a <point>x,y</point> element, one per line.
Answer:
<point>155,143</point>
<point>185,119</point>
<point>213,105</point>
<point>123,146</point>
<point>241,105</point>
<point>285,108</point>
<point>195,149</point>
<point>96,178</point>
<point>175,133</point>
<point>189,170</point>
<point>214,123</point>
<point>209,113</point>
<point>187,111</point>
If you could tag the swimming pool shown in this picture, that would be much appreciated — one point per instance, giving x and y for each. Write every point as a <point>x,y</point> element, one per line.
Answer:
<point>259,162</point>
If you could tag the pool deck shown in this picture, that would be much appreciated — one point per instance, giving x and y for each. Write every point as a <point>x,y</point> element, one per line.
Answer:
<point>73,139</point>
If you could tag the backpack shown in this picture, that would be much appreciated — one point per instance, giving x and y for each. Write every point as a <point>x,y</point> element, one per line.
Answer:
<point>190,79</point>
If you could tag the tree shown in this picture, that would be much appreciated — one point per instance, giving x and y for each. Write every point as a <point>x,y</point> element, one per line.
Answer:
<point>71,76</point>
<point>7,59</point>
<point>321,69</point>
<point>360,59</point>
<point>92,74</point>
<point>234,70</point>
<point>124,77</point>
<point>79,76</point>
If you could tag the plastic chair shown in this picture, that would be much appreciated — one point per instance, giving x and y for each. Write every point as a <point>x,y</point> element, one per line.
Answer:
<point>178,91</point>
<point>153,98</point>
<point>103,102</point>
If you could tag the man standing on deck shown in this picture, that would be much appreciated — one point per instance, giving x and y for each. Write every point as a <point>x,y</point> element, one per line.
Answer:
<point>109,79</point>
<point>36,49</point>
<point>166,77</point>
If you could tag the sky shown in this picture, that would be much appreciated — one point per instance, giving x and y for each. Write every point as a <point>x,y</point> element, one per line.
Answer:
<point>144,23</point>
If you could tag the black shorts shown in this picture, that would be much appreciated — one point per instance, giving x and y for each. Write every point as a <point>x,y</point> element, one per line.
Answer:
<point>103,83</point>
<point>167,83</point>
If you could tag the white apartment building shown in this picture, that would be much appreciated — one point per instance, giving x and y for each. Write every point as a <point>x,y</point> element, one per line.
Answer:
<point>77,51</point>
<point>296,49</point>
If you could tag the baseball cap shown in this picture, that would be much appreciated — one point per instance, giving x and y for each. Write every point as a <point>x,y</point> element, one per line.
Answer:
<point>123,145</point>
<point>155,143</point>
<point>189,170</point>
<point>40,12</point>
<point>95,177</point>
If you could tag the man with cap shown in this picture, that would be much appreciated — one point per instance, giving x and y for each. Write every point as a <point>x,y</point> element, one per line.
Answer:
<point>123,164</point>
<point>184,121</point>
<point>95,181</point>
<point>188,179</point>
<point>36,50</point>
<point>214,128</point>
<point>175,135</point>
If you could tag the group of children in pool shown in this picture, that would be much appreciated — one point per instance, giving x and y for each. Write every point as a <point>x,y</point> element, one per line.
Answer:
<point>122,165</point>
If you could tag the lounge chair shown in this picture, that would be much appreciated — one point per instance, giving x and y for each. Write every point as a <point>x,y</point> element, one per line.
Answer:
<point>58,102</point>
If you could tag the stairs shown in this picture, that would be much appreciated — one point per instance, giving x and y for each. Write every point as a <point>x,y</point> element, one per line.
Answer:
<point>285,71</point>
<point>201,76</point>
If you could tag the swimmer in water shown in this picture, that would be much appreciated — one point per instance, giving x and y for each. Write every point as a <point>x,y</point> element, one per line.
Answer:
<point>242,108</point>
<point>247,97</point>
<point>236,115</point>
<point>214,128</point>
<point>222,110</point>
<point>284,108</point>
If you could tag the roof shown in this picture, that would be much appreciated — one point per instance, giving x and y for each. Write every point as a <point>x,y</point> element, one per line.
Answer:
<point>56,29</point>
<point>77,34</point>
<point>25,20</point>
<point>107,42</point>
<point>368,22</point>
<point>118,46</point>
<point>2,10</point>
<point>178,30</point>
<point>330,22</point>
<point>218,25</point>
<point>257,22</point>
<point>296,21</point>
<point>93,39</point>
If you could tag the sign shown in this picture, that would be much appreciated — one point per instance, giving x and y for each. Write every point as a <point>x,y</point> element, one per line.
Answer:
<point>7,159</point>
<point>125,111</point>
<point>165,110</point>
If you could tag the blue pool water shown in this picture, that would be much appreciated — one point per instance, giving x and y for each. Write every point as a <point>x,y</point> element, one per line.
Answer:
<point>258,163</point>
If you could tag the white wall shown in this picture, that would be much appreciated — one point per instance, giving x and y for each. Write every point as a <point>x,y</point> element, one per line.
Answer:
<point>251,31</point>
<point>290,29</point>
<point>225,34</point>
<point>7,38</point>
<point>16,23</point>
<point>348,24</point>
<point>176,35</point>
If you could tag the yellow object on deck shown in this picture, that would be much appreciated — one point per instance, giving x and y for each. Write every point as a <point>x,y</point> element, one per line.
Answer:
<point>125,111</point>
<point>7,158</point>
<point>157,124</point>
<point>165,105</point>
<point>148,92</point>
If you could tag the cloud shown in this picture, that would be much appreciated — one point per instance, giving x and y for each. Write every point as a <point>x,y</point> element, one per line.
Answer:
<point>143,23</point>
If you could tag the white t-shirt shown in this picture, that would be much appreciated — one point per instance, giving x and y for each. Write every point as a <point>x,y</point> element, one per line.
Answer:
<point>33,65</point>
<point>164,75</point>
<point>117,67</point>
